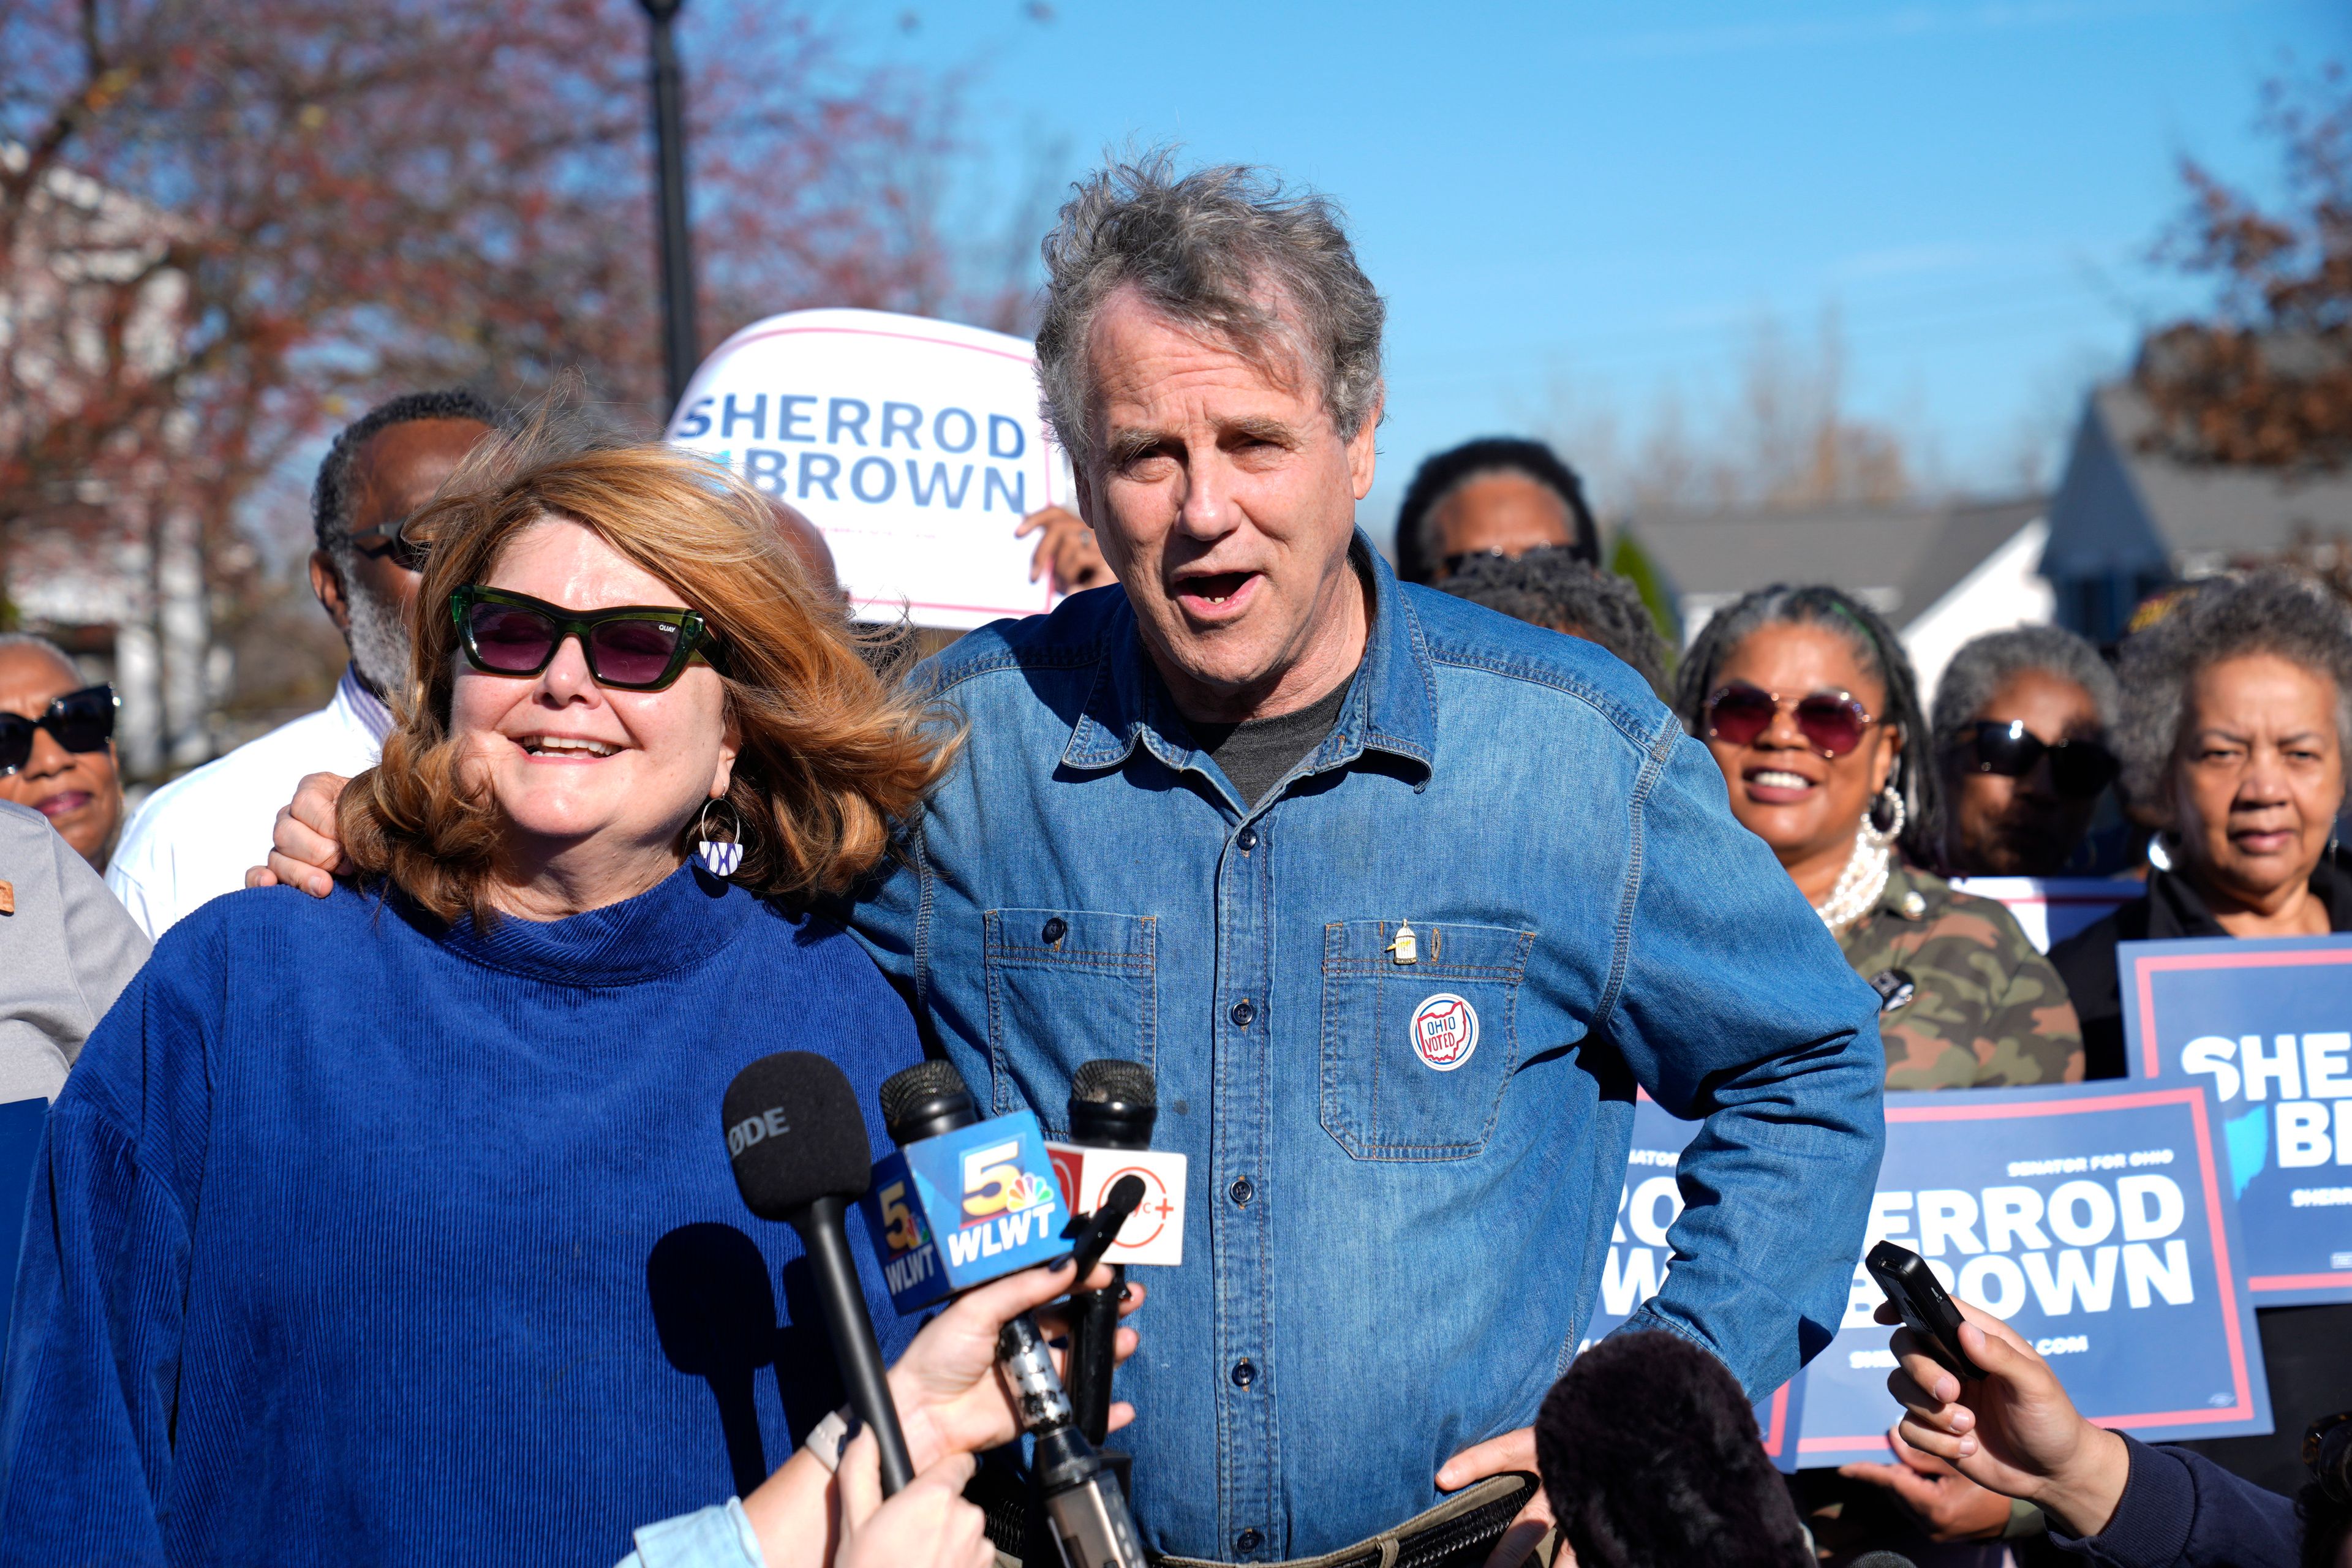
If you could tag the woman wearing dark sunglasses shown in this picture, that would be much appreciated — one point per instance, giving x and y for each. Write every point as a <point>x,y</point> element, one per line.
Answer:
<point>1810,706</point>
<point>2021,724</point>
<point>56,745</point>
<point>398,1226</point>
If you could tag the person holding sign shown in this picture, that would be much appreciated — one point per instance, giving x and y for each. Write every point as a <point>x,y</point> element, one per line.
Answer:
<point>2237,705</point>
<point>2021,722</point>
<point>1807,701</point>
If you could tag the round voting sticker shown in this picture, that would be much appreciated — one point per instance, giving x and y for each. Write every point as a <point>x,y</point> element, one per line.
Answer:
<point>1444,1031</point>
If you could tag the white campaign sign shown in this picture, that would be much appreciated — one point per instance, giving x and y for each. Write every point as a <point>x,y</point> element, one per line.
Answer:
<point>2049,910</point>
<point>915,444</point>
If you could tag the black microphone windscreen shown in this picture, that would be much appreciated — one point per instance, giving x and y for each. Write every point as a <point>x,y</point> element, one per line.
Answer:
<point>1881,1560</point>
<point>925,1100</point>
<point>1110,1081</point>
<point>794,1134</point>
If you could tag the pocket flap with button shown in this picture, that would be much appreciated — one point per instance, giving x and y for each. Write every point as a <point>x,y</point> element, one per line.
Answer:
<point>1065,986</point>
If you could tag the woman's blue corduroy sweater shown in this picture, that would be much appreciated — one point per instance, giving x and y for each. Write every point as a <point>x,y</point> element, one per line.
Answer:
<point>357,1239</point>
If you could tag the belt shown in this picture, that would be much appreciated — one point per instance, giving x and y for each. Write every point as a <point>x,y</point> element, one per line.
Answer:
<point>1460,1533</point>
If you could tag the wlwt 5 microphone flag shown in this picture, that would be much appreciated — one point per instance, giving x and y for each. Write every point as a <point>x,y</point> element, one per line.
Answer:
<point>963,1201</point>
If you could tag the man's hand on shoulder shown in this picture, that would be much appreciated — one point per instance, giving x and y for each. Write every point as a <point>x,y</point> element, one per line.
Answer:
<point>305,850</point>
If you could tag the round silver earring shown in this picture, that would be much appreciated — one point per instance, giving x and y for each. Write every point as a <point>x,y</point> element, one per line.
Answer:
<point>720,856</point>
<point>1889,803</point>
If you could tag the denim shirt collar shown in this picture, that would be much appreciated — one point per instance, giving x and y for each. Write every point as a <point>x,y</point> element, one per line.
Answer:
<point>1391,706</point>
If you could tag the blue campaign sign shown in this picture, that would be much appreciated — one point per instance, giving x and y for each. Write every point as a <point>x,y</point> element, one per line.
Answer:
<point>20,1142</point>
<point>2268,1023</point>
<point>1635,1266</point>
<point>2097,1221</point>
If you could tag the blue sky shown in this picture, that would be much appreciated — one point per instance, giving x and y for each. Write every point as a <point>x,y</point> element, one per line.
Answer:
<point>1575,209</point>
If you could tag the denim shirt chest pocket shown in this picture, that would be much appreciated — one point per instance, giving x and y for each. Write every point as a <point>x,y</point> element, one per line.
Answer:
<point>1064,988</point>
<point>1417,1054</point>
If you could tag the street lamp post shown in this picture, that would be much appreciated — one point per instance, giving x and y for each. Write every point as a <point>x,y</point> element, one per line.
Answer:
<point>676,246</point>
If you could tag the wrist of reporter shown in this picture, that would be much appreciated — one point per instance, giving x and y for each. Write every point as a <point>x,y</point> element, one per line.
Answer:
<point>2082,1494</point>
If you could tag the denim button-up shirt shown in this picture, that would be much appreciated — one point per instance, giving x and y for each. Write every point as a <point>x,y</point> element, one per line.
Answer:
<point>1406,1155</point>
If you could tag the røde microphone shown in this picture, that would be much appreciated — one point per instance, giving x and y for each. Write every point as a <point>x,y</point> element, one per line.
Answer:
<point>1113,1105</point>
<point>798,1144</point>
<point>963,1201</point>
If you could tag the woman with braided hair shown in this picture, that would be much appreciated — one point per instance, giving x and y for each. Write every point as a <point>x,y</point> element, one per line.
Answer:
<point>1811,708</point>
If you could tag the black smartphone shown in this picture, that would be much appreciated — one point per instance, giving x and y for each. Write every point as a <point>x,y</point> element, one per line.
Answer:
<point>1927,1310</point>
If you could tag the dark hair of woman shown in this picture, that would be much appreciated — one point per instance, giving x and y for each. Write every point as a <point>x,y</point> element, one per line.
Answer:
<point>1418,552</point>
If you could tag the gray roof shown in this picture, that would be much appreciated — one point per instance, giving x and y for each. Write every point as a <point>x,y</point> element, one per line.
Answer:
<point>2120,509</point>
<point>1897,559</point>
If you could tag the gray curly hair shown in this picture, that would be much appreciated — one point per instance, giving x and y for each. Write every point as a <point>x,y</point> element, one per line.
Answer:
<point>2277,611</point>
<point>1986,664</point>
<point>1224,250</point>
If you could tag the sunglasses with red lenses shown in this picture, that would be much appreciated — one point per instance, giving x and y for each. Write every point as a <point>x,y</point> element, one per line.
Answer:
<point>631,648</point>
<point>2078,769</point>
<point>79,721</point>
<point>1832,722</point>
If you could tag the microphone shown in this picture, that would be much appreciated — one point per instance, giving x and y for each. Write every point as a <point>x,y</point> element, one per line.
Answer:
<point>961,1201</point>
<point>930,1115</point>
<point>1113,1105</point>
<point>798,1146</point>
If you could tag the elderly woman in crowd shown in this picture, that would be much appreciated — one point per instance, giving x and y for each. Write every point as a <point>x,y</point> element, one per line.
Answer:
<point>399,1225</point>
<point>1809,704</point>
<point>56,745</point>
<point>2021,724</point>
<point>2237,705</point>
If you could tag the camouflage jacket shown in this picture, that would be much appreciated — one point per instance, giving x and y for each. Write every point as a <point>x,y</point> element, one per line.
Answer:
<point>1967,1001</point>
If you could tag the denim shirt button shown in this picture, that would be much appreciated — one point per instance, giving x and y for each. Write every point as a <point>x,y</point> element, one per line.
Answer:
<point>1246,840</point>
<point>1247,1541</point>
<point>1055,930</point>
<point>1242,1014</point>
<point>1245,1374</point>
<point>1241,1191</point>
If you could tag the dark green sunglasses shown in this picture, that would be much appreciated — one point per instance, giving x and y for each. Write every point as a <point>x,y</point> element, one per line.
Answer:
<point>633,648</point>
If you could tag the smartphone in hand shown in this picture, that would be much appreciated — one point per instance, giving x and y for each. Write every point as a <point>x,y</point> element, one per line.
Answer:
<point>1927,1311</point>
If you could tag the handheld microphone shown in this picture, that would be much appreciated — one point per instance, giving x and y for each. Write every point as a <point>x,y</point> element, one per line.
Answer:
<point>798,1146</point>
<point>1113,1105</point>
<point>930,1115</point>
<point>963,1201</point>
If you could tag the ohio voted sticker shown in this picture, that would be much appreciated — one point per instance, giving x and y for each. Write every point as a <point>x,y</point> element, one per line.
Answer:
<point>1444,1031</point>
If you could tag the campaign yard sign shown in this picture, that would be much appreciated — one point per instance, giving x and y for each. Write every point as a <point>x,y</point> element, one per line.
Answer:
<point>2049,910</point>
<point>2098,1220</point>
<point>916,446</point>
<point>2268,1023</point>
<point>1635,1266</point>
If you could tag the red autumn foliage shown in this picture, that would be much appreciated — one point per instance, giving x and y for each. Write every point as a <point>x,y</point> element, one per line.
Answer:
<point>2267,381</point>
<point>224,227</point>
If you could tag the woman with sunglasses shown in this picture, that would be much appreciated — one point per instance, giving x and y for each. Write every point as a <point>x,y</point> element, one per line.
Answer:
<point>398,1226</point>
<point>56,745</point>
<point>1809,704</point>
<point>2021,724</point>
<point>1811,708</point>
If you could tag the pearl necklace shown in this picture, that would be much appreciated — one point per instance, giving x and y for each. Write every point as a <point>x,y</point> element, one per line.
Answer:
<point>1859,884</point>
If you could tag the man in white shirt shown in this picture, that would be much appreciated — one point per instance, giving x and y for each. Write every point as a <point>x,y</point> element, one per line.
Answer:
<point>194,837</point>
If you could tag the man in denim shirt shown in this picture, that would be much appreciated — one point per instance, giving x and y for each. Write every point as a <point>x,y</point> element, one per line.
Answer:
<point>1398,1003</point>
<point>1400,899</point>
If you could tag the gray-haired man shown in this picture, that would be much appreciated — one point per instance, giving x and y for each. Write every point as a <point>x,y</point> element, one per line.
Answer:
<point>1398,899</point>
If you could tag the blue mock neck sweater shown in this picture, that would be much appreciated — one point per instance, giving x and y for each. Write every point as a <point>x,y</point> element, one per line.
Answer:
<point>361,1239</point>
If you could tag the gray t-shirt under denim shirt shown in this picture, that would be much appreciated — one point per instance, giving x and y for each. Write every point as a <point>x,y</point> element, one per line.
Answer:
<point>1258,753</point>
